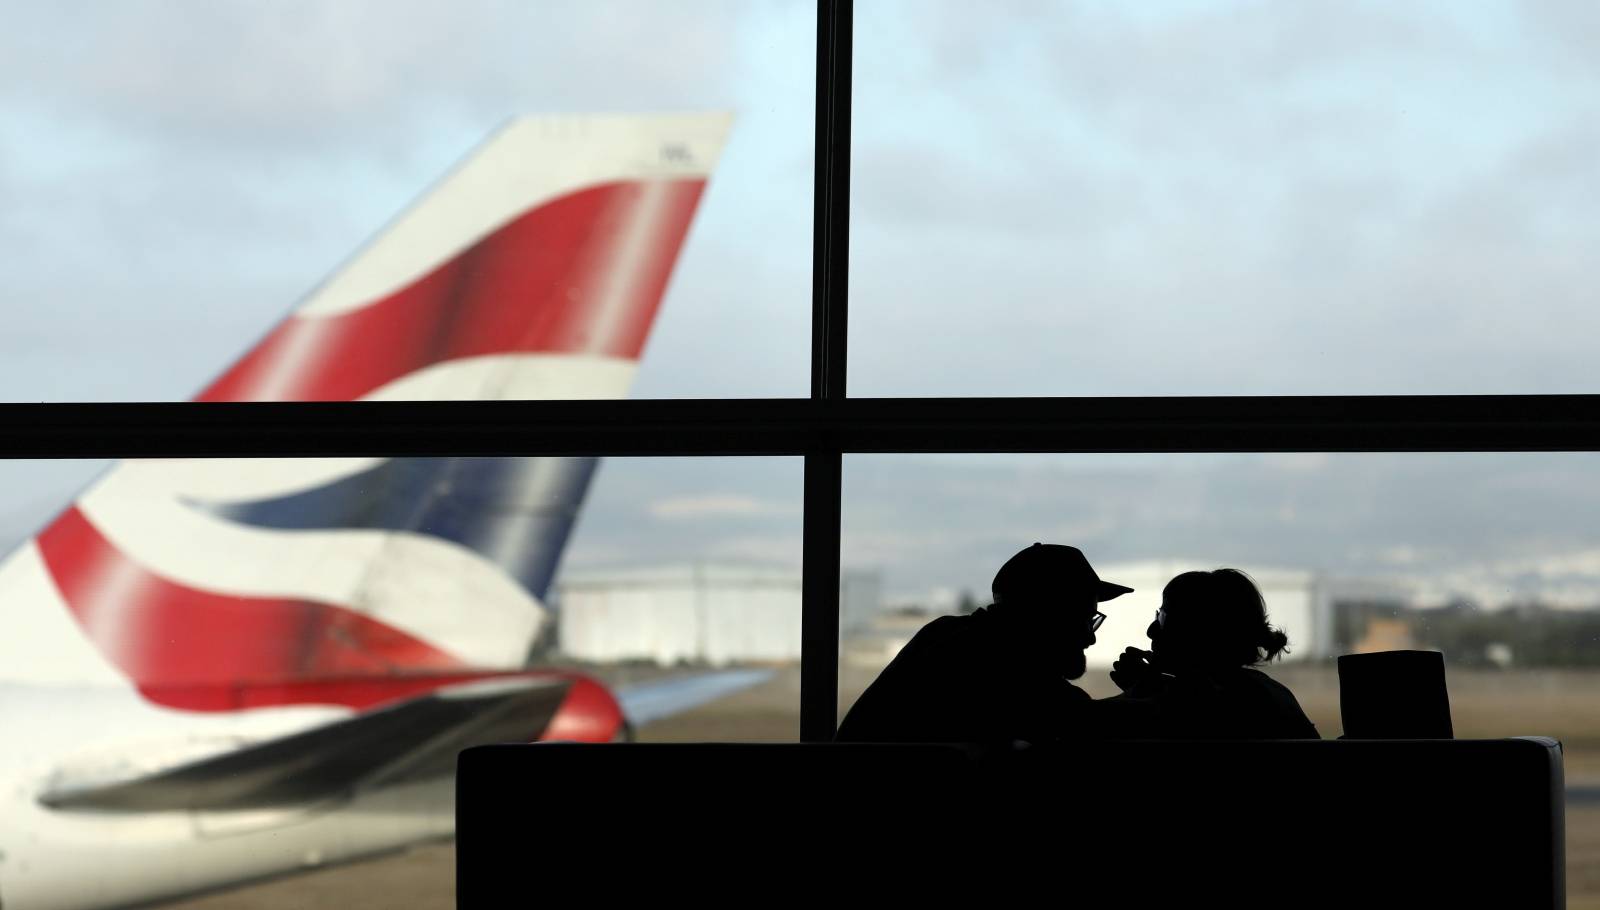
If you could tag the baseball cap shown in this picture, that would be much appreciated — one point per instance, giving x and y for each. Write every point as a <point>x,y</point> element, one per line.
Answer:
<point>1048,569</point>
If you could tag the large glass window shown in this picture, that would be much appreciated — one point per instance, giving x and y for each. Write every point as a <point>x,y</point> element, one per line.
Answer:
<point>1491,558</point>
<point>1222,198</point>
<point>579,178</point>
<point>1214,199</point>
<point>179,626</point>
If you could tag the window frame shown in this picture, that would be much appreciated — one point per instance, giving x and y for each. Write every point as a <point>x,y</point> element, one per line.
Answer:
<point>821,428</point>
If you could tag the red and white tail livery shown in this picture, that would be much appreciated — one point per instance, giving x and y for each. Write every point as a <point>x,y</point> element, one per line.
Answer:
<point>215,670</point>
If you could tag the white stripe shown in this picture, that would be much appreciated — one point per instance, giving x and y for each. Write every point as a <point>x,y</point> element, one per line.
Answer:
<point>109,615</point>
<point>532,160</point>
<point>303,346</point>
<point>41,642</point>
<point>428,588</point>
<point>619,279</point>
<point>228,480</point>
<point>555,377</point>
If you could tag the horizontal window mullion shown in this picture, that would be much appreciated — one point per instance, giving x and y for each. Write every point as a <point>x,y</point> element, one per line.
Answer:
<point>795,426</point>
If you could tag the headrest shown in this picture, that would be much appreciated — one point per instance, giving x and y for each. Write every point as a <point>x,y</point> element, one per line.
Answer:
<point>1394,695</point>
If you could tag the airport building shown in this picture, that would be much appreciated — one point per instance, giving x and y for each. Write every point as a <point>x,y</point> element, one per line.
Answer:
<point>697,613</point>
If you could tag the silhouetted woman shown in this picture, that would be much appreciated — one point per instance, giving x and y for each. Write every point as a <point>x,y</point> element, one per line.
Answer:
<point>1199,674</point>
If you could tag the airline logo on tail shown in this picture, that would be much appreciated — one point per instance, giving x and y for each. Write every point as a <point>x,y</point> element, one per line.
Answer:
<point>534,271</point>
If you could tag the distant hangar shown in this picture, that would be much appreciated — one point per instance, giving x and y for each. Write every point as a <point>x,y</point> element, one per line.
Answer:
<point>696,613</point>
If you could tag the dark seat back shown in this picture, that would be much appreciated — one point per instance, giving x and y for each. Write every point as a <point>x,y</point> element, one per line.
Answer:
<point>1292,823</point>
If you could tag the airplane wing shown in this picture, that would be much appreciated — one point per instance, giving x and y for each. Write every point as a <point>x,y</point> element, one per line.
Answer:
<point>649,702</point>
<point>414,739</point>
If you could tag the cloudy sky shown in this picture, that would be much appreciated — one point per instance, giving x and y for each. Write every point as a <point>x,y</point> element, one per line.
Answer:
<point>1049,198</point>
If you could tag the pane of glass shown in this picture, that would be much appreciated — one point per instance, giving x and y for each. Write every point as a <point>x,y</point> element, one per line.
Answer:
<point>1493,559</point>
<point>1230,197</point>
<point>475,201</point>
<point>215,671</point>
<point>693,564</point>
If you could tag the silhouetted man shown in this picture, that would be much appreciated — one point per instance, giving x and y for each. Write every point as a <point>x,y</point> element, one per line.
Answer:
<point>1000,674</point>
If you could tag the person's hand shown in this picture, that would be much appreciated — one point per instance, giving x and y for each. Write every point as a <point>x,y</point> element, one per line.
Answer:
<point>1133,670</point>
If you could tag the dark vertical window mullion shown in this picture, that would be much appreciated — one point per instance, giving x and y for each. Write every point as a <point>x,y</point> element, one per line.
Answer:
<point>819,598</point>
<point>819,623</point>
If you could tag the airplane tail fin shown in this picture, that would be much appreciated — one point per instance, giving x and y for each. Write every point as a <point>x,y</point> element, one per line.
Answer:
<point>535,270</point>
<point>555,239</point>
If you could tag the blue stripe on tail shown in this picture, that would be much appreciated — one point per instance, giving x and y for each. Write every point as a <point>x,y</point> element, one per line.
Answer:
<point>516,512</point>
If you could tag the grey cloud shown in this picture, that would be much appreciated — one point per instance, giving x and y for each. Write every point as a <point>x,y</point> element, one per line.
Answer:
<point>1241,239</point>
<point>1569,27</point>
<point>303,75</point>
<point>1158,74</point>
<point>621,524</point>
<point>1199,279</point>
<point>1027,191</point>
<point>1192,67</point>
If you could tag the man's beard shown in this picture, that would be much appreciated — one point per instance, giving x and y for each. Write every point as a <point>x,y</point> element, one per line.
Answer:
<point>1075,665</point>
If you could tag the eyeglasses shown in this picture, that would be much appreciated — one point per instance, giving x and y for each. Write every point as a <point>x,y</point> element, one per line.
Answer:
<point>1096,620</point>
<point>1161,618</point>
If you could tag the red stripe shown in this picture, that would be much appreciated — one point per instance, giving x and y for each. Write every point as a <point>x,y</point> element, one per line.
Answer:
<point>179,644</point>
<point>537,284</point>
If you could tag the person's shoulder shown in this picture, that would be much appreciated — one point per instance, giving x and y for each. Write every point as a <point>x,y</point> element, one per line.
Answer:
<point>945,628</point>
<point>946,638</point>
<point>934,636</point>
<point>1296,724</point>
<point>1262,680</point>
<point>1253,684</point>
<point>952,623</point>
